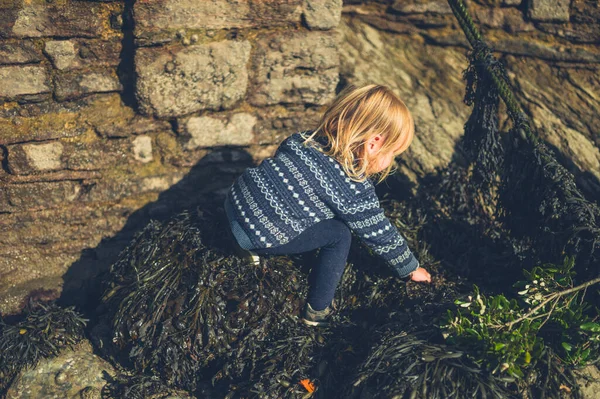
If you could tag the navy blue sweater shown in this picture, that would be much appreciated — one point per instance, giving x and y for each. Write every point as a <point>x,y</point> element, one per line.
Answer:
<point>271,204</point>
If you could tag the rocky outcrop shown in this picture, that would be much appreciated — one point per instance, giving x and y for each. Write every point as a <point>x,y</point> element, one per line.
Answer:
<point>74,373</point>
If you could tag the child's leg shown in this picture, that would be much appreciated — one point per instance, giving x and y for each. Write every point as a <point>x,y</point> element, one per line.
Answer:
<point>334,238</point>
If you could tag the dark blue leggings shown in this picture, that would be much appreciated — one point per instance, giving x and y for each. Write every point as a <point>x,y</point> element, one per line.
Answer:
<point>334,238</point>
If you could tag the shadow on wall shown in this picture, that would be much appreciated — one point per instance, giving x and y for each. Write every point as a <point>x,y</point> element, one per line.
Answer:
<point>203,186</point>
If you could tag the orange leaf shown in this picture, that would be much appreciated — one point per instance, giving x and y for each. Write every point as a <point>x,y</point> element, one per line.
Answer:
<point>308,385</point>
<point>566,388</point>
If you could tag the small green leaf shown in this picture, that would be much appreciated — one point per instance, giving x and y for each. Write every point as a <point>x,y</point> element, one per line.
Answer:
<point>593,327</point>
<point>567,346</point>
<point>498,346</point>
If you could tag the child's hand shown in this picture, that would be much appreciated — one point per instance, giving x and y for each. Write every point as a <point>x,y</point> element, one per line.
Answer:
<point>421,275</point>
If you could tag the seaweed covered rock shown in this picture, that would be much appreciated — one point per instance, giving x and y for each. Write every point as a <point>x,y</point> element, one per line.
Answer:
<point>42,331</point>
<point>75,372</point>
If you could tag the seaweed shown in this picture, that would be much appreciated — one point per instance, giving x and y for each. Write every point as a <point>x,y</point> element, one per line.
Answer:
<point>410,364</point>
<point>44,329</point>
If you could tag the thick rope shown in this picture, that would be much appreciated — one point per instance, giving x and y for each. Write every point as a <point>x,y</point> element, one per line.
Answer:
<point>483,53</point>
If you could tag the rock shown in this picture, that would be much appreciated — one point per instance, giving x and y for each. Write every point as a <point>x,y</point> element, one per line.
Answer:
<point>153,26</point>
<point>76,373</point>
<point>295,68</point>
<point>319,14</point>
<point>207,76</point>
<point>31,158</point>
<point>428,79</point>
<point>589,382</point>
<point>206,131</point>
<point>109,117</point>
<point>562,105</point>
<point>32,196</point>
<point>23,52</point>
<point>420,7</point>
<point>274,124</point>
<point>77,54</point>
<point>142,148</point>
<point>510,19</point>
<point>97,155</point>
<point>23,80</point>
<point>549,10</point>
<point>75,85</point>
<point>43,19</point>
<point>62,53</point>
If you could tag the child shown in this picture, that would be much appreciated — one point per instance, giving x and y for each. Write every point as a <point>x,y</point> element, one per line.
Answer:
<point>316,189</point>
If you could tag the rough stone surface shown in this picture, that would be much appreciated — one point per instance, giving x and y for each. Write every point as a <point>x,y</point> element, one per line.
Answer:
<point>39,18</point>
<point>159,21</point>
<point>142,148</point>
<point>276,123</point>
<point>22,80</point>
<point>97,155</point>
<point>75,373</point>
<point>427,78</point>
<point>320,14</point>
<point>436,6</point>
<point>73,85</point>
<point>206,131</point>
<point>549,10</point>
<point>31,158</point>
<point>77,53</point>
<point>589,382</point>
<point>48,126</point>
<point>295,68</point>
<point>562,105</point>
<point>32,196</point>
<point>181,81</point>
<point>19,53</point>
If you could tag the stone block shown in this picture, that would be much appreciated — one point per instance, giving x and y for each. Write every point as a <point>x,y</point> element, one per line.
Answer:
<point>142,148</point>
<point>208,131</point>
<point>275,124</point>
<point>322,14</point>
<point>40,18</point>
<point>549,10</point>
<point>43,127</point>
<point>33,158</point>
<point>23,80</point>
<point>76,54</point>
<point>97,155</point>
<point>159,20</point>
<point>110,117</point>
<point>179,81</point>
<point>69,86</point>
<point>32,196</point>
<point>23,52</point>
<point>295,68</point>
<point>421,7</point>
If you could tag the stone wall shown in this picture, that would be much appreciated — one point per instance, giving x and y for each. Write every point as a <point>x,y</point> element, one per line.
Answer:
<point>117,112</point>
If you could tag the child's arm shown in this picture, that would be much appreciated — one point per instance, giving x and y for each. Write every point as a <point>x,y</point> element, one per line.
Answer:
<point>366,218</point>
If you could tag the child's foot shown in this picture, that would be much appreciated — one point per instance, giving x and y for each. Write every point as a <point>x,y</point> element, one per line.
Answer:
<point>316,317</point>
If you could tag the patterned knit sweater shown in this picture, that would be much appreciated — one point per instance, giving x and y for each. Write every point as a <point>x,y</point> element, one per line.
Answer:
<point>273,203</point>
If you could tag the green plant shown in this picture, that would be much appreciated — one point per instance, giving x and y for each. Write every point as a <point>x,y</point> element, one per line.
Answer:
<point>508,335</point>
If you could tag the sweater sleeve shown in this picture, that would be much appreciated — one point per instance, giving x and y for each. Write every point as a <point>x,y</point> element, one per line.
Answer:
<point>367,220</point>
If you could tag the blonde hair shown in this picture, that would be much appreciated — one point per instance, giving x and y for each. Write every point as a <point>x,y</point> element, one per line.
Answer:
<point>354,116</point>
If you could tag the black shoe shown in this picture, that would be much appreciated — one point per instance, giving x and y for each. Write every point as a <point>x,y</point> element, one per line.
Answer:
<point>313,317</point>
